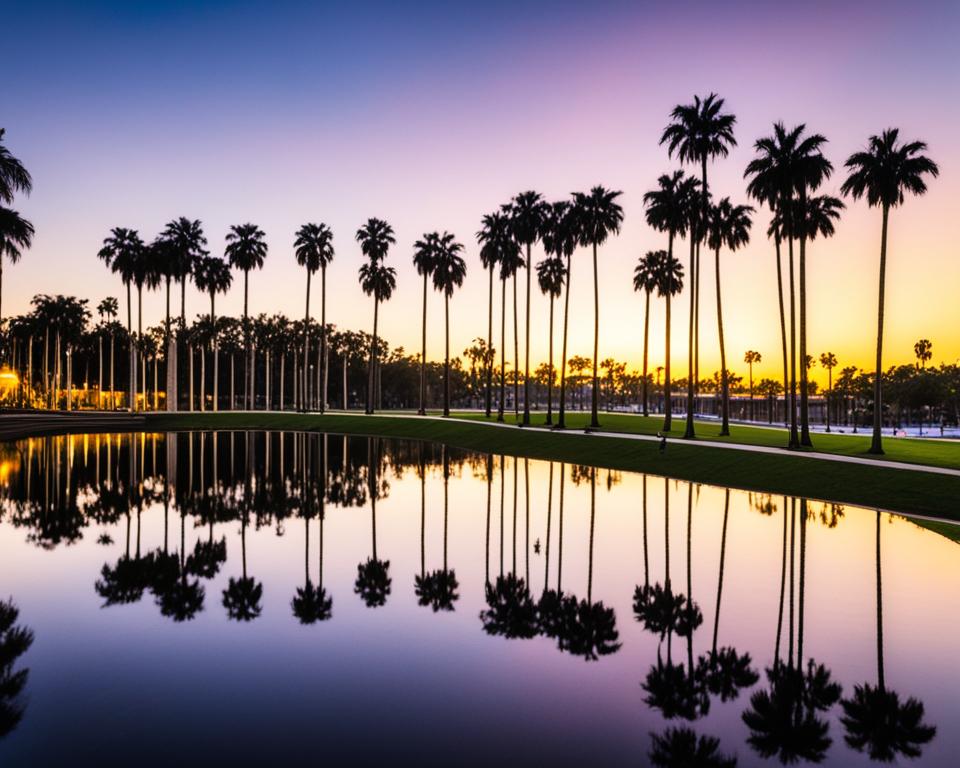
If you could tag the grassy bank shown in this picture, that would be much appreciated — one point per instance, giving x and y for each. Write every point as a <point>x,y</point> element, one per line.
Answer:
<point>934,453</point>
<point>893,489</point>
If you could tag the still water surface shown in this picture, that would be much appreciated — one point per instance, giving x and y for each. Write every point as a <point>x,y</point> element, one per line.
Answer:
<point>254,598</point>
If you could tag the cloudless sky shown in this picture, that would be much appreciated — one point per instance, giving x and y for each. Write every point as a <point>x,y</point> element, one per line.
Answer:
<point>429,115</point>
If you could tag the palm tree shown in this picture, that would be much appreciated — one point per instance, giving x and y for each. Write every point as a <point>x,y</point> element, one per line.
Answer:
<point>751,357</point>
<point>373,576</point>
<point>829,361</point>
<point>15,640</point>
<point>645,279</point>
<point>213,276</point>
<point>874,717</point>
<point>107,309</point>
<point>560,238</point>
<point>494,239</point>
<point>551,274</point>
<point>449,270</point>
<point>16,236</point>
<point>246,249</point>
<point>668,210</point>
<point>377,280</point>
<point>599,216</point>
<point>527,213</point>
<point>678,747</point>
<point>121,252</point>
<point>511,260</point>
<point>698,133</point>
<point>883,173</point>
<point>16,233</point>
<point>314,250</point>
<point>425,255</point>
<point>186,239</point>
<point>727,225</point>
<point>669,284</point>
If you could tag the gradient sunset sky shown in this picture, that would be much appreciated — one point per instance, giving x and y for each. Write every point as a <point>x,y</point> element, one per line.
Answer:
<point>430,115</point>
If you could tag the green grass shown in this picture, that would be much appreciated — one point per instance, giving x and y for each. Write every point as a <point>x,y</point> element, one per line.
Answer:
<point>887,488</point>
<point>934,453</point>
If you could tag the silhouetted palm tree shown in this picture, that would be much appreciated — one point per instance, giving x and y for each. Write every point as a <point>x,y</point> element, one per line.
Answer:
<point>668,210</point>
<point>511,260</point>
<point>495,239</point>
<point>246,250</point>
<point>883,173</point>
<point>669,284</point>
<point>449,270</point>
<point>551,274</point>
<point>727,225</point>
<point>598,216</point>
<point>16,233</point>
<point>425,260</point>
<point>698,133</point>
<point>120,252</point>
<point>439,589</point>
<point>645,279</point>
<point>527,213</point>
<point>377,280</point>
<point>373,576</point>
<point>875,719</point>
<point>242,596</point>
<point>560,238</point>
<point>314,250</point>
<point>213,276</point>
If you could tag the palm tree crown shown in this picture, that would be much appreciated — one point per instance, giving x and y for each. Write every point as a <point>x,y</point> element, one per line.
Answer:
<point>449,268</point>
<point>246,247</point>
<point>647,272</point>
<point>667,206</point>
<point>188,242</point>
<point>378,280</point>
<point>527,213</point>
<point>550,276</point>
<point>121,252</point>
<point>598,215</point>
<point>16,234</point>
<point>495,239</point>
<point>13,176</point>
<point>213,275</point>
<point>699,131</point>
<point>425,253</point>
<point>375,238</point>
<point>314,246</point>
<point>728,225</point>
<point>887,169</point>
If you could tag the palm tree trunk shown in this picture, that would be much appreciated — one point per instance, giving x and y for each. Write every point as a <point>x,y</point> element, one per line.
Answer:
<point>503,347</point>
<point>724,384</point>
<point>306,349</point>
<point>594,419</point>
<point>794,434</point>
<point>140,363</point>
<point>526,362</point>
<point>423,356</point>
<point>446,358</point>
<point>723,552</point>
<point>216,356</point>
<point>516,355</point>
<point>880,678</point>
<point>190,353</point>
<point>283,360</point>
<point>203,379</point>
<point>783,325</point>
<point>100,371</point>
<point>546,569</point>
<point>561,423</point>
<point>876,445</point>
<point>829,395</point>
<point>489,345</point>
<point>646,338</point>
<point>233,379</point>
<point>691,374</point>
<point>132,372</point>
<point>667,390</point>
<point>804,395</point>
<point>371,372</point>
<point>247,368</point>
<point>550,368</point>
<point>324,354</point>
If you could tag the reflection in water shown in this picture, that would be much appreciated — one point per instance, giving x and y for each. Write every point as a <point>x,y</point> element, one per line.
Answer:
<point>249,485</point>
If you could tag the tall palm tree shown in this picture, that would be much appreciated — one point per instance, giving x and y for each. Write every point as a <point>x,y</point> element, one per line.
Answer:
<point>599,216</point>
<point>883,173</point>
<point>923,350</point>
<point>494,239</point>
<point>788,165</point>
<point>377,280</point>
<point>186,239</point>
<point>668,210</point>
<point>669,284</point>
<point>373,576</point>
<point>213,276</point>
<point>314,250</point>
<point>560,238</point>
<point>551,274</point>
<point>246,249</point>
<point>875,719</point>
<point>727,225</point>
<point>164,256</point>
<point>829,361</point>
<point>698,133</point>
<point>449,270</point>
<point>645,279</point>
<point>107,309</point>
<point>511,261</point>
<point>425,257</point>
<point>527,213</point>
<point>121,252</point>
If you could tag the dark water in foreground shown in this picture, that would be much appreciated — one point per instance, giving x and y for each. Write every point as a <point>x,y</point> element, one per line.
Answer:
<point>235,599</point>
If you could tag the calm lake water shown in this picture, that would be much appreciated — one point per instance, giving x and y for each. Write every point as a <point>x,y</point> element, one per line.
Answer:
<point>265,598</point>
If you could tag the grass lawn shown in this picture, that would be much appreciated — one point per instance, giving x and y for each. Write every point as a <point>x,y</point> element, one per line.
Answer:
<point>935,453</point>
<point>893,489</point>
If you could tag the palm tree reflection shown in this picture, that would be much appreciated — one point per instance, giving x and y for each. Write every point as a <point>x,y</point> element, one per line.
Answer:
<point>439,588</point>
<point>683,748</point>
<point>373,576</point>
<point>15,640</point>
<point>312,603</point>
<point>242,597</point>
<point>876,720</point>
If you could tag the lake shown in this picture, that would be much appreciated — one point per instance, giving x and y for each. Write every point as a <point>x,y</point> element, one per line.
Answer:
<point>269,598</point>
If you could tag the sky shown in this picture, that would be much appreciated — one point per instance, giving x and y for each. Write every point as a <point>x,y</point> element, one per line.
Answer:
<point>133,113</point>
